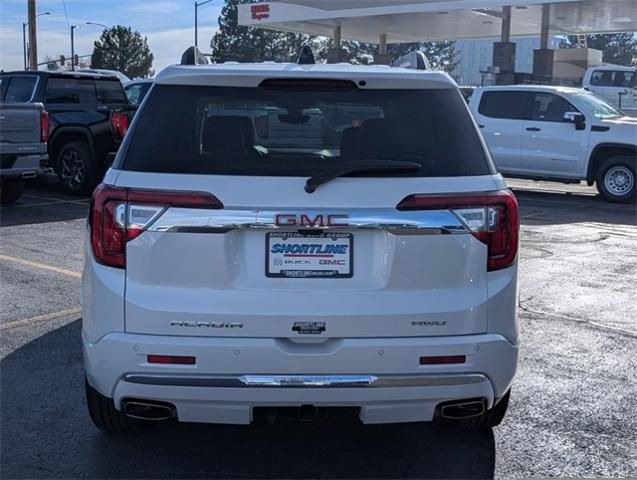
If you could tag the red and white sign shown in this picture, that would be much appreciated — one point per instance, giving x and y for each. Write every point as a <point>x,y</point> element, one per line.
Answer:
<point>260,11</point>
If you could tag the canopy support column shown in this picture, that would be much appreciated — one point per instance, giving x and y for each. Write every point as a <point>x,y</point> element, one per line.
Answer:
<point>337,54</point>
<point>504,51</point>
<point>382,58</point>
<point>543,57</point>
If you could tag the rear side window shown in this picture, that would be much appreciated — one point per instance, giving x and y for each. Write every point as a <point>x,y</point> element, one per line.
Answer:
<point>110,91</point>
<point>70,90</point>
<point>610,78</point>
<point>509,105</point>
<point>20,88</point>
<point>300,132</point>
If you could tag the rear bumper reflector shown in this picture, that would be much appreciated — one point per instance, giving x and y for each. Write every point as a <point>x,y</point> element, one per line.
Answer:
<point>171,359</point>
<point>443,360</point>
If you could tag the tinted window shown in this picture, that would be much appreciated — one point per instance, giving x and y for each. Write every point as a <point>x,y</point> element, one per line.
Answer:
<point>511,105</point>
<point>63,90</point>
<point>550,108</point>
<point>20,88</point>
<point>110,91</point>
<point>610,78</point>
<point>300,132</point>
<point>134,93</point>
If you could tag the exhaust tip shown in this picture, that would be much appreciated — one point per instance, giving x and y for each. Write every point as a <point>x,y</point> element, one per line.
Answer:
<point>146,410</point>
<point>29,174</point>
<point>463,409</point>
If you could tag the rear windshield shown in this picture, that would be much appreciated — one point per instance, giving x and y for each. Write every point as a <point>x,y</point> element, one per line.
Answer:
<point>300,132</point>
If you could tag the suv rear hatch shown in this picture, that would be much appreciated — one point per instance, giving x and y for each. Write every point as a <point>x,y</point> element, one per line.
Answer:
<point>210,218</point>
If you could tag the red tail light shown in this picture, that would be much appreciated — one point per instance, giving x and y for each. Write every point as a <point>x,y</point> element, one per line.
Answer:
<point>491,217</point>
<point>44,126</point>
<point>119,215</point>
<point>119,124</point>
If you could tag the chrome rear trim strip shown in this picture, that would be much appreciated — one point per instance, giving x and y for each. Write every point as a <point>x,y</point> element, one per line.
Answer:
<point>189,220</point>
<point>304,381</point>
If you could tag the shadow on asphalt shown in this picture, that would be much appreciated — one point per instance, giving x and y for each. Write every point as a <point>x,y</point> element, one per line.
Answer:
<point>558,208</point>
<point>45,432</point>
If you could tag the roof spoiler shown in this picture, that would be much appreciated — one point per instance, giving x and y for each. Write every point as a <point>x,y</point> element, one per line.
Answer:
<point>192,56</point>
<point>416,60</point>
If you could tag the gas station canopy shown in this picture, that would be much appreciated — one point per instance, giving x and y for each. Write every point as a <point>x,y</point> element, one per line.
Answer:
<point>404,21</point>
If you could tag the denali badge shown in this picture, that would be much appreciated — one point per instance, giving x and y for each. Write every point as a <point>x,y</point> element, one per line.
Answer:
<point>425,323</point>
<point>178,323</point>
<point>308,328</point>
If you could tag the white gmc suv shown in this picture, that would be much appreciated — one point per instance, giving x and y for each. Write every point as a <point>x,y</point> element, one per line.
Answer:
<point>303,236</point>
<point>561,134</point>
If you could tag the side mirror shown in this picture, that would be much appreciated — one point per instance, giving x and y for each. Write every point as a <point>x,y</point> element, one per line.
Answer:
<point>577,119</point>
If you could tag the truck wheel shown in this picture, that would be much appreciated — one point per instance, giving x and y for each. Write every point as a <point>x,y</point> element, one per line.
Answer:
<point>489,419</point>
<point>11,190</point>
<point>616,179</point>
<point>104,414</point>
<point>76,168</point>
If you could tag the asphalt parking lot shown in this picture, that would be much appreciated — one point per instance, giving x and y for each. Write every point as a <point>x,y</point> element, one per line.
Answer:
<point>573,404</point>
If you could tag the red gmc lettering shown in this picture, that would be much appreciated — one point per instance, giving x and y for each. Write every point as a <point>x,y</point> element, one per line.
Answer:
<point>307,221</point>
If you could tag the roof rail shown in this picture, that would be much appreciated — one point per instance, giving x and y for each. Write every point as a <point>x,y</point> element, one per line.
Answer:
<point>416,60</point>
<point>192,56</point>
<point>306,56</point>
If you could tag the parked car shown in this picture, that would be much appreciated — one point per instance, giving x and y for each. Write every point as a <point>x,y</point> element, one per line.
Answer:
<point>560,134</point>
<point>617,85</point>
<point>137,90</point>
<point>231,267</point>
<point>111,73</point>
<point>79,106</point>
<point>24,130</point>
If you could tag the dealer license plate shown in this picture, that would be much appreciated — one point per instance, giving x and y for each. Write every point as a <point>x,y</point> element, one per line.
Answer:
<point>309,255</point>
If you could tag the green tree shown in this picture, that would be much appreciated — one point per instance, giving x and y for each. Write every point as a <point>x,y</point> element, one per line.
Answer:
<point>617,48</point>
<point>234,42</point>
<point>121,48</point>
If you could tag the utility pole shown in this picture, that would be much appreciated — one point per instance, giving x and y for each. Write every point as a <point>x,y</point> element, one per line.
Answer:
<point>33,40</point>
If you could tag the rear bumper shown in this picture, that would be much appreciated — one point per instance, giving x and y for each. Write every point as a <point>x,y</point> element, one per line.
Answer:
<point>231,376</point>
<point>26,166</point>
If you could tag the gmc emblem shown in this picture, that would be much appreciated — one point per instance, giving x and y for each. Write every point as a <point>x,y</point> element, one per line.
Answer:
<point>318,221</point>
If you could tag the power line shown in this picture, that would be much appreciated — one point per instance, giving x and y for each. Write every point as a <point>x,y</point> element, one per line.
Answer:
<point>68,25</point>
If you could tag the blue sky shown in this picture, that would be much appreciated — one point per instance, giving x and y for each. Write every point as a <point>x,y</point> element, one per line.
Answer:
<point>168,24</point>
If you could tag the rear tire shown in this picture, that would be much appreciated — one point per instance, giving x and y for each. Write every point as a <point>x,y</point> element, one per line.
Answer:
<point>77,169</point>
<point>104,414</point>
<point>616,179</point>
<point>489,419</point>
<point>11,189</point>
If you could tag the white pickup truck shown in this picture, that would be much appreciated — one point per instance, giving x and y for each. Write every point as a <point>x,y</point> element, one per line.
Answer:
<point>617,85</point>
<point>561,134</point>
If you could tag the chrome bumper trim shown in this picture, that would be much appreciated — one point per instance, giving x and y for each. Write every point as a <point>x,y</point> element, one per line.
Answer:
<point>189,220</point>
<point>303,381</point>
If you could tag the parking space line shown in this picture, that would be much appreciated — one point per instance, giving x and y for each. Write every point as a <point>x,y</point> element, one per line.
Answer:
<point>36,204</point>
<point>39,319</point>
<point>56,199</point>
<point>41,266</point>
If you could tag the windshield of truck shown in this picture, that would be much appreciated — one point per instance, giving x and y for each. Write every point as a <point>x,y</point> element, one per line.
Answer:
<point>599,107</point>
<point>299,132</point>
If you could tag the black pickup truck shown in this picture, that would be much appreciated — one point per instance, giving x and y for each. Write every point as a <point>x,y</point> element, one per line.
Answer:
<point>79,106</point>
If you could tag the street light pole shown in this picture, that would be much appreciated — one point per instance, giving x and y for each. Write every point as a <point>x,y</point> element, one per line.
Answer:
<point>24,43</point>
<point>24,40</point>
<point>73,27</point>
<point>197,5</point>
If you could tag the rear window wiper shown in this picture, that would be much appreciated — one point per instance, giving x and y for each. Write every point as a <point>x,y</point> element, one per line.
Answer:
<point>360,166</point>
